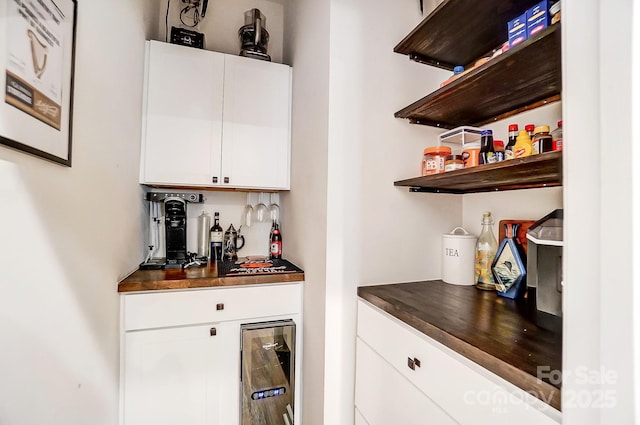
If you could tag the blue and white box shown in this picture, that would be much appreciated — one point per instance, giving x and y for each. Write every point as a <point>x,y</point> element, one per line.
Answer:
<point>517,30</point>
<point>537,18</point>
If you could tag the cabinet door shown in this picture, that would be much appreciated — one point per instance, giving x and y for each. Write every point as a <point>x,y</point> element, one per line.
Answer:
<point>182,128</point>
<point>383,396</point>
<point>183,375</point>
<point>256,139</point>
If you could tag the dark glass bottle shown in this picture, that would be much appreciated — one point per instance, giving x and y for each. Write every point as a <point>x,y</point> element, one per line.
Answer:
<point>513,135</point>
<point>216,238</point>
<point>276,243</point>
<point>487,150</point>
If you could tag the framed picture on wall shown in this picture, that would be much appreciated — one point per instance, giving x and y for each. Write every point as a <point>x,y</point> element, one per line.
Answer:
<point>37,55</point>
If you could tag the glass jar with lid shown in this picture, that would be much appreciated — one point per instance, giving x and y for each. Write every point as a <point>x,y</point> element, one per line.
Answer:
<point>433,159</point>
<point>542,141</point>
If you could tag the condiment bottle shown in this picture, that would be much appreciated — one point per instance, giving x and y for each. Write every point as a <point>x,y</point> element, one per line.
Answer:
<point>487,150</point>
<point>498,145</point>
<point>556,138</point>
<point>486,249</point>
<point>522,147</point>
<point>530,129</point>
<point>513,135</point>
<point>542,141</point>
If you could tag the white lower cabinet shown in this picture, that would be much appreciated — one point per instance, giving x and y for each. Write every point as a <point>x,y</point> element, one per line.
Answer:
<point>438,386</point>
<point>189,373</point>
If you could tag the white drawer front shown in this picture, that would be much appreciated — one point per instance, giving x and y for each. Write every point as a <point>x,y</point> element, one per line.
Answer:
<point>161,309</point>
<point>468,392</point>
<point>384,396</point>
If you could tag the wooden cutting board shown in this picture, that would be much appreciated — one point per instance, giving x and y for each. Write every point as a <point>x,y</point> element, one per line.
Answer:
<point>521,236</point>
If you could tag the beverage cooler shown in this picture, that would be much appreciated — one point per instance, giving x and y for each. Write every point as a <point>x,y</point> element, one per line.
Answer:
<point>267,372</point>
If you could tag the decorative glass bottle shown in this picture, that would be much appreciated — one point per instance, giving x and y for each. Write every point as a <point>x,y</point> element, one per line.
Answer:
<point>485,253</point>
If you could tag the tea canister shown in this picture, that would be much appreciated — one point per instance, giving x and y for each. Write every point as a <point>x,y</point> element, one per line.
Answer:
<point>458,257</point>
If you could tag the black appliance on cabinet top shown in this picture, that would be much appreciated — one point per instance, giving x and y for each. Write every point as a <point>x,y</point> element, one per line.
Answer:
<point>254,36</point>
<point>175,229</point>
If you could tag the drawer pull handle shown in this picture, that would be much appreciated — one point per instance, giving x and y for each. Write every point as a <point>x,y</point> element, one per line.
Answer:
<point>411,363</point>
<point>213,332</point>
<point>220,306</point>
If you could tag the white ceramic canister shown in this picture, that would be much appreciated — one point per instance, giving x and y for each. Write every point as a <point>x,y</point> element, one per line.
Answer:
<point>458,257</point>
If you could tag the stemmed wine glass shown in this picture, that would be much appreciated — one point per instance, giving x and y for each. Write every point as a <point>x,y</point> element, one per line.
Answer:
<point>274,209</point>
<point>261,211</point>
<point>247,213</point>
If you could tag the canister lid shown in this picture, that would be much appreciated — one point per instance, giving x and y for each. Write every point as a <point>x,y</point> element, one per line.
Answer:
<point>459,233</point>
<point>541,129</point>
<point>437,150</point>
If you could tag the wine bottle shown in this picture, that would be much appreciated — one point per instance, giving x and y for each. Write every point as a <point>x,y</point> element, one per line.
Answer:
<point>216,238</point>
<point>276,243</point>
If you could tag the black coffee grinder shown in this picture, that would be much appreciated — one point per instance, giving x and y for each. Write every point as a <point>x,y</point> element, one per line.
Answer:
<point>254,37</point>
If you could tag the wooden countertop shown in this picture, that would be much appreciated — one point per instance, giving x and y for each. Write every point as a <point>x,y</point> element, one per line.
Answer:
<point>197,277</point>
<point>497,333</point>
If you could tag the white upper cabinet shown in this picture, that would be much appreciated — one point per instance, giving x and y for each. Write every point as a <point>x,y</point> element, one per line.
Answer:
<point>182,121</point>
<point>257,99</point>
<point>214,120</point>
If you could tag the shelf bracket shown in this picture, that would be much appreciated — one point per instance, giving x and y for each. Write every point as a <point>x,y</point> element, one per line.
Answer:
<point>435,190</point>
<point>430,61</point>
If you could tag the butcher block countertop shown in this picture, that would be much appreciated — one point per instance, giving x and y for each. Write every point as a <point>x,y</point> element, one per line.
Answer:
<point>211,275</point>
<point>497,333</point>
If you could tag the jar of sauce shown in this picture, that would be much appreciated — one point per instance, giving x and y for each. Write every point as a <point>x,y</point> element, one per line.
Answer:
<point>542,141</point>
<point>453,162</point>
<point>433,159</point>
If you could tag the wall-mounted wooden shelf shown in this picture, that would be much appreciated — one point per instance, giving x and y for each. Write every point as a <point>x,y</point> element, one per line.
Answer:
<point>458,32</point>
<point>525,77</point>
<point>544,170</point>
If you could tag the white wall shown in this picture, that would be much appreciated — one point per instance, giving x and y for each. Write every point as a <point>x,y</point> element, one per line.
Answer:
<point>377,233</point>
<point>70,234</point>
<point>307,50</point>
<point>222,21</point>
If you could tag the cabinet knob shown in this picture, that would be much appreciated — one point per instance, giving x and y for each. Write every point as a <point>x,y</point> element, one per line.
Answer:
<point>213,331</point>
<point>220,306</point>
<point>416,362</point>
<point>214,179</point>
<point>226,179</point>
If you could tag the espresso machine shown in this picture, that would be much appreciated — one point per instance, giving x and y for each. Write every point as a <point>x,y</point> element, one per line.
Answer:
<point>175,229</point>
<point>254,36</point>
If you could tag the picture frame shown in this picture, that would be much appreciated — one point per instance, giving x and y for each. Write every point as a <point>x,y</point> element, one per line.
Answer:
<point>37,62</point>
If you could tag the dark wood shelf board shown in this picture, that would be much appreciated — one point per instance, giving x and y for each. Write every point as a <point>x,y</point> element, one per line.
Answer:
<point>522,78</point>
<point>459,31</point>
<point>544,170</point>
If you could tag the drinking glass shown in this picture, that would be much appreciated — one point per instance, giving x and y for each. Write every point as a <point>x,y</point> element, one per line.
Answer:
<point>261,211</point>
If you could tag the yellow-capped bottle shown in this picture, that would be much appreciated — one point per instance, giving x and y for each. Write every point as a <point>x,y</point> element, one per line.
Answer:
<point>523,146</point>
